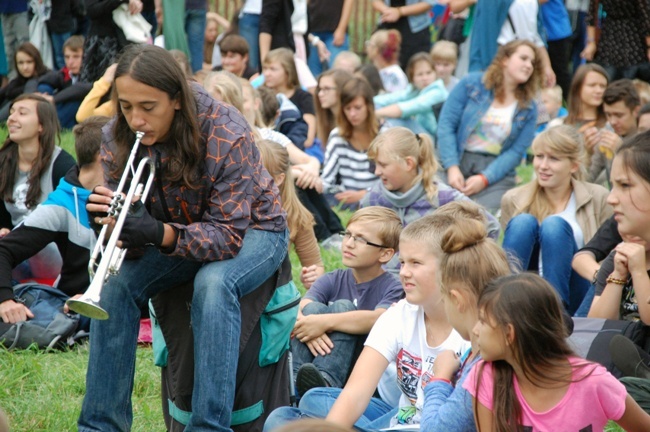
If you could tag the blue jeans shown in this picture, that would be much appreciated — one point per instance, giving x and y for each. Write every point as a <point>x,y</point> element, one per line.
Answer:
<point>195,30</point>
<point>66,111</point>
<point>216,323</point>
<point>58,39</point>
<point>335,365</point>
<point>317,403</point>
<point>525,239</point>
<point>249,29</point>
<point>328,37</point>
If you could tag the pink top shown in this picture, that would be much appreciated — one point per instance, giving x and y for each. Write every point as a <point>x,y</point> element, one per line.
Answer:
<point>589,403</point>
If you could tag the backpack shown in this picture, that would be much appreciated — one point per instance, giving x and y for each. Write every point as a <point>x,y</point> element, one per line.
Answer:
<point>591,336</point>
<point>50,328</point>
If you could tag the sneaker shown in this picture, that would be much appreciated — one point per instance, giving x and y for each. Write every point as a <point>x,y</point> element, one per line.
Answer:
<point>625,355</point>
<point>309,377</point>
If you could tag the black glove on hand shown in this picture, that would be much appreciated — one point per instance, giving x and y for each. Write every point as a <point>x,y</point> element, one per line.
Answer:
<point>140,228</point>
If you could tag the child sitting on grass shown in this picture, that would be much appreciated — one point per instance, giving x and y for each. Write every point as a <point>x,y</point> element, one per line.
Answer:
<point>344,304</point>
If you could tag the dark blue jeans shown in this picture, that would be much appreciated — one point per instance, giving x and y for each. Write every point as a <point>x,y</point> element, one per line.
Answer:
<point>195,30</point>
<point>335,365</point>
<point>525,240</point>
<point>216,322</point>
<point>66,111</point>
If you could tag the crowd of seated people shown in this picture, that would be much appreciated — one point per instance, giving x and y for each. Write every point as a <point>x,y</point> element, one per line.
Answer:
<point>463,168</point>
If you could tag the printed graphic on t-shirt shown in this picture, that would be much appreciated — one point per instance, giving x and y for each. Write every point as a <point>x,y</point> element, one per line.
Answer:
<point>491,131</point>
<point>20,196</point>
<point>409,369</point>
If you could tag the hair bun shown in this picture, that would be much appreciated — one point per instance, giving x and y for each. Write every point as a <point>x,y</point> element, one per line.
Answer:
<point>462,234</point>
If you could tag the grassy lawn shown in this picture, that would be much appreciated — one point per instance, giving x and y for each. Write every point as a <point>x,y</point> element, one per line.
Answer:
<point>44,392</point>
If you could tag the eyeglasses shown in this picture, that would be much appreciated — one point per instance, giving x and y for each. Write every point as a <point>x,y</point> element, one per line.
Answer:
<point>325,89</point>
<point>347,235</point>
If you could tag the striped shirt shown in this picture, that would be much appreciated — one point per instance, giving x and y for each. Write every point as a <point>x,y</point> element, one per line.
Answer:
<point>346,166</point>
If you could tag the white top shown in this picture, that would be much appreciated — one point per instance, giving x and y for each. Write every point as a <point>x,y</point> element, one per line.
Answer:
<point>299,17</point>
<point>400,335</point>
<point>393,78</point>
<point>569,215</point>
<point>253,7</point>
<point>492,130</point>
<point>275,136</point>
<point>523,14</point>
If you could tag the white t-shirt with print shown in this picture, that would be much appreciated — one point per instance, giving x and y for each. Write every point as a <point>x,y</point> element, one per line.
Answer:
<point>492,130</point>
<point>400,335</point>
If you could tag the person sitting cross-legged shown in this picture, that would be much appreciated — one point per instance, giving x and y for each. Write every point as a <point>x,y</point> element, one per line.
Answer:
<point>344,304</point>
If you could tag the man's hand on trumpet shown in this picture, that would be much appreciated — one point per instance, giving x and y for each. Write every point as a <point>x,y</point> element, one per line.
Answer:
<point>139,229</point>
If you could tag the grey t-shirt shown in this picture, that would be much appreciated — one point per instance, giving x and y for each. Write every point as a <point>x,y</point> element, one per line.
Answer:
<point>380,292</point>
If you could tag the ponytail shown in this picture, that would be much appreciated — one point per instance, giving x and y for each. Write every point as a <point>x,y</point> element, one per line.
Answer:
<point>428,165</point>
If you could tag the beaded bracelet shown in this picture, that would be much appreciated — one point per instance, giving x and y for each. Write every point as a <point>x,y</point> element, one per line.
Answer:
<point>616,281</point>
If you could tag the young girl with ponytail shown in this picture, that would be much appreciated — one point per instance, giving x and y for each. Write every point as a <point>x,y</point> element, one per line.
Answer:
<point>406,166</point>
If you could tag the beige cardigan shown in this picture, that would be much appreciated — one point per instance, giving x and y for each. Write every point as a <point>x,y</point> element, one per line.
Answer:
<point>591,205</point>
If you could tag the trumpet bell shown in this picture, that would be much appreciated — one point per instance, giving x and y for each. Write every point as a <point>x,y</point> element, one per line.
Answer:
<point>87,307</point>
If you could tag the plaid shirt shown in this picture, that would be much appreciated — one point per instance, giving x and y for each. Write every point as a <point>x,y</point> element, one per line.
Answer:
<point>234,192</point>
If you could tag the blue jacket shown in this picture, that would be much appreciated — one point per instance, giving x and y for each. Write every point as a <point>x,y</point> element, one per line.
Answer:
<point>416,103</point>
<point>489,17</point>
<point>466,105</point>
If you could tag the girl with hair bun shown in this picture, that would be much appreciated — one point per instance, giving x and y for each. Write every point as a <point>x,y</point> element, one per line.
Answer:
<point>407,167</point>
<point>530,378</point>
<point>468,262</point>
<point>547,220</point>
<point>383,49</point>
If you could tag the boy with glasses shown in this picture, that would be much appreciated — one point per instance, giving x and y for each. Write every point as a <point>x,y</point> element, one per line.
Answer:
<point>342,306</point>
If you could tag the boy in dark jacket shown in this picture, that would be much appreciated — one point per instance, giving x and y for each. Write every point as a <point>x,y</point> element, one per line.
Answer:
<point>62,219</point>
<point>63,87</point>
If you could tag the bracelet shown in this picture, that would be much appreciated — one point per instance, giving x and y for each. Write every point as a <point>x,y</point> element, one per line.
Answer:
<point>590,39</point>
<point>486,183</point>
<point>441,379</point>
<point>399,11</point>
<point>314,40</point>
<point>615,281</point>
<point>593,279</point>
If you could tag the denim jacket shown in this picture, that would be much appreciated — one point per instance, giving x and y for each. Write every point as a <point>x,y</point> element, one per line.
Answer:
<point>417,22</point>
<point>467,104</point>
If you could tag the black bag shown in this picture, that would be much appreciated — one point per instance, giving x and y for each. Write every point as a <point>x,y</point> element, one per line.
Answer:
<point>591,336</point>
<point>50,328</point>
<point>453,31</point>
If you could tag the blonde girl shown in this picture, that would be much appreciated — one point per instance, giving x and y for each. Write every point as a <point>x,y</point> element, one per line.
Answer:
<point>383,49</point>
<point>301,233</point>
<point>469,261</point>
<point>280,74</point>
<point>346,171</point>
<point>407,167</point>
<point>547,220</point>
<point>225,86</point>
<point>529,377</point>
<point>411,333</point>
<point>411,107</point>
<point>327,100</point>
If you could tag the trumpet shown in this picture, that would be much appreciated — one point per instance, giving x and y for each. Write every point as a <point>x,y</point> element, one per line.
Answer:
<point>112,256</point>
